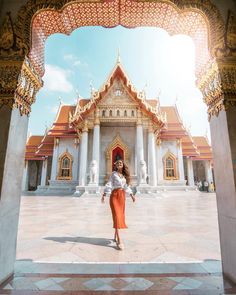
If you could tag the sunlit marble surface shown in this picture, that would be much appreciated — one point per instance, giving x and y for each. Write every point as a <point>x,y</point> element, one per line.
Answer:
<point>172,227</point>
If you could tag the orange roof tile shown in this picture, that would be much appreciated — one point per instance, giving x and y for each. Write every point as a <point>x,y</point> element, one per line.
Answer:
<point>203,147</point>
<point>63,114</point>
<point>34,140</point>
<point>83,102</point>
<point>174,128</point>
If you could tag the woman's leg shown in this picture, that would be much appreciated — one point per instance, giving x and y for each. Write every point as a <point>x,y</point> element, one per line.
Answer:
<point>115,235</point>
<point>118,236</point>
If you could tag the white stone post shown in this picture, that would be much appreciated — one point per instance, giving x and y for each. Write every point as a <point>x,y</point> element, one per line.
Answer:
<point>55,159</point>
<point>96,142</point>
<point>152,157</point>
<point>190,174</point>
<point>83,155</point>
<point>44,173</point>
<point>180,160</point>
<point>208,171</point>
<point>25,177</point>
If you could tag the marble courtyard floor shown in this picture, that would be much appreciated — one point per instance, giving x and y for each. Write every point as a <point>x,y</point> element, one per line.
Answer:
<point>171,247</point>
<point>176,227</point>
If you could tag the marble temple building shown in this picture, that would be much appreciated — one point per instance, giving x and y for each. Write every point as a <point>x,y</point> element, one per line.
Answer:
<point>77,154</point>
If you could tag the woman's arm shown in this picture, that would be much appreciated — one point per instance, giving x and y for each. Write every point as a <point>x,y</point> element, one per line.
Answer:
<point>107,189</point>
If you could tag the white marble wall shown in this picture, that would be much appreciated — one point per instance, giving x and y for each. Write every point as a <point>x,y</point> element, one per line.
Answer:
<point>128,135</point>
<point>65,144</point>
<point>172,147</point>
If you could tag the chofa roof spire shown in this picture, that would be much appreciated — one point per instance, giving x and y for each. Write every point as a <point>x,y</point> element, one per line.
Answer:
<point>118,56</point>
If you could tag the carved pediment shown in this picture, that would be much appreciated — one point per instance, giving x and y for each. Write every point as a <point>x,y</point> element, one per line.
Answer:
<point>117,95</point>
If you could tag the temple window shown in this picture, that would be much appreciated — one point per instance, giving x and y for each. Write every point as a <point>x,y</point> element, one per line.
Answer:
<point>118,113</point>
<point>170,167</point>
<point>132,113</point>
<point>65,167</point>
<point>125,113</point>
<point>103,113</point>
<point>110,113</point>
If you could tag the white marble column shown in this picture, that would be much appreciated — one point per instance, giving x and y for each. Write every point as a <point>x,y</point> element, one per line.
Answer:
<point>75,167</point>
<point>83,155</point>
<point>180,160</point>
<point>13,131</point>
<point>96,142</point>
<point>152,171</point>
<point>25,177</point>
<point>190,174</point>
<point>44,172</point>
<point>55,159</point>
<point>208,171</point>
<point>159,161</point>
<point>139,140</point>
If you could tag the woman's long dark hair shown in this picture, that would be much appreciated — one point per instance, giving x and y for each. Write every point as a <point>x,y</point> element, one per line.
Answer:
<point>125,171</point>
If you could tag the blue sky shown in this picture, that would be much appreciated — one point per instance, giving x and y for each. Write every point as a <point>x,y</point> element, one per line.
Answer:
<point>153,60</point>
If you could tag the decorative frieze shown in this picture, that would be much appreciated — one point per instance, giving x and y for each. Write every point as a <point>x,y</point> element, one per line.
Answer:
<point>218,85</point>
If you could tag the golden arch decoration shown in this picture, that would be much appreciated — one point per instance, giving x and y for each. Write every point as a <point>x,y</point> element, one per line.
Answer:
<point>117,142</point>
<point>170,167</point>
<point>51,16</point>
<point>65,166</point>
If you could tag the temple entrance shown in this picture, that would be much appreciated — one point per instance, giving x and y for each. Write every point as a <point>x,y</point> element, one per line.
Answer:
<point>116,150</point>
<point>117,154</point>
<point>215,67</point>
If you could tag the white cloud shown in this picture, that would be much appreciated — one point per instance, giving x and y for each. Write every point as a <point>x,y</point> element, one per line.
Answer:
<point>56,79</point>
<point>72,59</point>
<point>68,57</point>
<point>77,63</point>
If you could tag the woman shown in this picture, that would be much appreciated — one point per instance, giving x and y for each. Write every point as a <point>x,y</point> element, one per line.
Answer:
<point>117,186</point>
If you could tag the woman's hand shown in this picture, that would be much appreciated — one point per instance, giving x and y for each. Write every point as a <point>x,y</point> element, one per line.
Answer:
<point>103,198</point>
<point>133,197</point>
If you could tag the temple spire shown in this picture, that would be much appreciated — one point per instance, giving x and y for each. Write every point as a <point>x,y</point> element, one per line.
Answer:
<point>118,56</point>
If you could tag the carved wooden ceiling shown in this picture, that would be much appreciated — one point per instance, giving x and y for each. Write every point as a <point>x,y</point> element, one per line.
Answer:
<point>111,13</point>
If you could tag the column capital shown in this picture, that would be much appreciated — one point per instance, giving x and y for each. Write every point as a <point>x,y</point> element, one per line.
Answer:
<point>217,84</point>
<point>85,126</point>
<point>96,117</point>
<point>139,118</point>
<point>150,128</point>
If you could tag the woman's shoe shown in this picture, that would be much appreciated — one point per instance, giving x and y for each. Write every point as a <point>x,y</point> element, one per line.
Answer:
<point>120,246</point>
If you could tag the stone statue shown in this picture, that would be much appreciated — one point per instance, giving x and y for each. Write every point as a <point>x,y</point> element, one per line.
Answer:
<point>93,172</point>
<point>142,172</point>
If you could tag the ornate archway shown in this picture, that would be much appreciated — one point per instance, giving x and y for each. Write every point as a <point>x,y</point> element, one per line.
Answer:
<point>22,43</point>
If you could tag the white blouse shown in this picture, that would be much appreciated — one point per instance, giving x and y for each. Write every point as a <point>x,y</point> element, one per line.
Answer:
<point>115,182</point>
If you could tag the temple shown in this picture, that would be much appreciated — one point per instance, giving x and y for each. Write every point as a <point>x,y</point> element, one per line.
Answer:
<point>77,154</point>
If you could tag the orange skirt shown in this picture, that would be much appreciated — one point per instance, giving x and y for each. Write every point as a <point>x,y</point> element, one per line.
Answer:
<point>117,204</point>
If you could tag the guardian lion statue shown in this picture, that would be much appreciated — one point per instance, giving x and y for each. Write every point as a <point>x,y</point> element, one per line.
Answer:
<point>142,172</point>
<point>93,172</point>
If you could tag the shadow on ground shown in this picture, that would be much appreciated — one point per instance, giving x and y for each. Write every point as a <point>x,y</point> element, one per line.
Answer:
<point>84,240</point>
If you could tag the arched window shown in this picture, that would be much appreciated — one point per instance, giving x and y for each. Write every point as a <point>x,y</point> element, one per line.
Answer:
<point>118,113</point>
<point>103,113</point>
<point>132,113</point>
<point>110,113</point>
<point>170,167</point>
<point>125,113</point>
<point>65,167</point>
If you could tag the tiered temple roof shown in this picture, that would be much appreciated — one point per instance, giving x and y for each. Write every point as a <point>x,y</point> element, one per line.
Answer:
<point>166,120</point>
<point>39,147</point>
<point>204,148</point>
